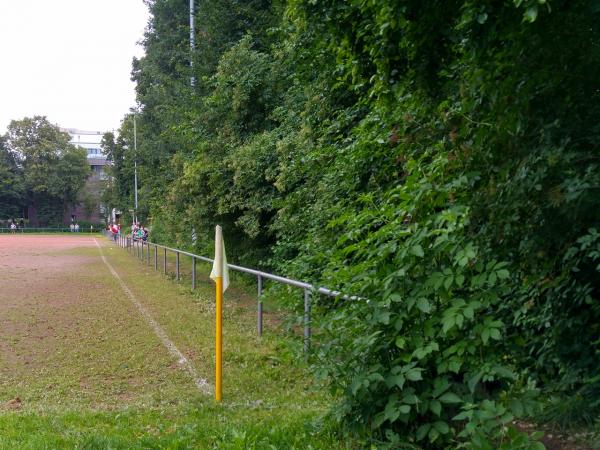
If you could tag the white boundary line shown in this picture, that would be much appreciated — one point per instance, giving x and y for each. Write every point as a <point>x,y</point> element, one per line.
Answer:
<point>201,383</point>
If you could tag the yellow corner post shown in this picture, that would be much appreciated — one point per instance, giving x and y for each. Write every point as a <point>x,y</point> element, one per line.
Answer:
<point>220,275</point>
<point>219,341</point>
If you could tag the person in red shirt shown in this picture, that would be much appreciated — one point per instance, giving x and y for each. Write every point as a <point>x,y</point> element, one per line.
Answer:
<point>115,231</point>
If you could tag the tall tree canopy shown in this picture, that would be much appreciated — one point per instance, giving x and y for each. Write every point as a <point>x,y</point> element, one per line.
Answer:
<point>439,158</point>
<point>53,170</point>
<point>12,195</point>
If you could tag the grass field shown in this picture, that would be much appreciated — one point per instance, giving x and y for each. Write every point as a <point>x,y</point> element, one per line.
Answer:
<point>81,367</point>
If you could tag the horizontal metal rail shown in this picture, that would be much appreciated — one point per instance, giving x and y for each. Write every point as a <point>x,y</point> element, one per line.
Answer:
<point>270,276</point>
<point>137,247</point>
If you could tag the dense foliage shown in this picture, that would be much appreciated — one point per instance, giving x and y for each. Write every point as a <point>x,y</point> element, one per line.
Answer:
<point>11,185</point>
<point>439,159</point>
<point>39,168</point>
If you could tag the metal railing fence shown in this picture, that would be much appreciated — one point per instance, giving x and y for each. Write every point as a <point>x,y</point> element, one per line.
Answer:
<point>142,250</point>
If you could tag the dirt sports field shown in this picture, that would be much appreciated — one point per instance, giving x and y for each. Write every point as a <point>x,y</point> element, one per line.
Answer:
<point>73,329</point>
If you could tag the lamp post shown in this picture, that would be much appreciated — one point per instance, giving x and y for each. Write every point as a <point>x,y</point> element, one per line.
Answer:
<point>192,44</point>
<point>135,168</point>
<point>135,162</point>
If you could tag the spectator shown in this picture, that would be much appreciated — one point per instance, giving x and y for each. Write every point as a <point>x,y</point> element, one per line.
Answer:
<point>139,233</point>
<point>115,231</point>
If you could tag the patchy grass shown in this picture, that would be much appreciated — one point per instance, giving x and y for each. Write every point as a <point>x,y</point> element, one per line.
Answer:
<point>80,367</point>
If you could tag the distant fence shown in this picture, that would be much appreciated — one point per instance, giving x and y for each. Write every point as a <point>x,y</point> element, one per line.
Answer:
<point>147,250</point>
<point>50,230</point>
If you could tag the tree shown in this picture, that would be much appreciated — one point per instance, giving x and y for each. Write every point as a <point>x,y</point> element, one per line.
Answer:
<point>12,194</point>
<point>54,171</point>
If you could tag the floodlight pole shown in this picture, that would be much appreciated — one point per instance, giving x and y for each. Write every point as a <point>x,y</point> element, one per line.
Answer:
<point>135,168</point>
<point>192,44</point>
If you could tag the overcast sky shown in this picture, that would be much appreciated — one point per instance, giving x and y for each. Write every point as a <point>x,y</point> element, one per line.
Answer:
<point>69,60</point>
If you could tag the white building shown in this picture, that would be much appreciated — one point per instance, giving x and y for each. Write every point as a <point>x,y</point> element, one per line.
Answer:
<point>90,141</point>
<point>90,207</point>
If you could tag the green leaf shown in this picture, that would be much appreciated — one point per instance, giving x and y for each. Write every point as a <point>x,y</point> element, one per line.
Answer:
<point>472,383</point>
<point>396,380</point>
<point>468,312</point>
<point>422,431</point>
<point>414,374</point>
<point>464,415</point>
<point>424,305</point>
<point>485,335</point>
<point>448,281</point>
<point>436,407</point>
<point>530,16</point>
<point>404,409</point>
<point>503,274</point>
<point>441,385</point>
<point>375,377</point>
<point>410,399</point>
<point>391,411</point>
<point>495,334</point>
<point>417,250</point>
<point>448,322</point>
<point>516,406</point>
<point>454,365</point>
<point>450,397</point>
<point>433,435</point>
<point>400,342</point>
<point>441,426</point>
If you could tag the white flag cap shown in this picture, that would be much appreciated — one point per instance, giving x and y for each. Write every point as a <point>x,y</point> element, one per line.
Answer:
<point>220,268</point>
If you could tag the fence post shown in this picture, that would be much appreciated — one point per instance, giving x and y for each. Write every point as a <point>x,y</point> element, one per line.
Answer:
<point>177,266</point>
<point>259,318</point>
<point>155,257</point>
<point>306,320</point>
<point>193,273</point>
<point>165,261</point>
<point>148,254</point>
